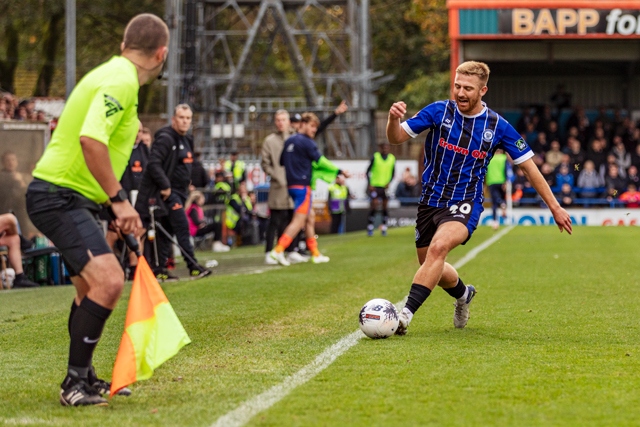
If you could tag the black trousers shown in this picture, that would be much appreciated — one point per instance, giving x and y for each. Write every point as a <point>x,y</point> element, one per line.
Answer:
<point>278,221</point>
<point>336,222</point>
<point>175,223</point>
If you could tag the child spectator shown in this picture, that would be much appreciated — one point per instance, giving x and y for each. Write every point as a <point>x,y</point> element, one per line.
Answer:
<point>564,176</point>
<point>198,227</point>
<point>566,196</point>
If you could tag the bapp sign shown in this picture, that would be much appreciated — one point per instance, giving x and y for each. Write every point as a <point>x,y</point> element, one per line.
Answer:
<point>562,22</point>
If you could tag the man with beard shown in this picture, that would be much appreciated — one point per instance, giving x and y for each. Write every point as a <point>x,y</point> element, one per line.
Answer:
<point>463,136</point>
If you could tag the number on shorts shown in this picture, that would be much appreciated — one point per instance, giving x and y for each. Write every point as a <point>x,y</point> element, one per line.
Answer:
<point>464,208</point>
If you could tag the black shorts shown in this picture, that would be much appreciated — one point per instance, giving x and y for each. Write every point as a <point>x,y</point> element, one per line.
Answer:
<point>69,220</point>
<point>378,193</point>
<point>430,218</point>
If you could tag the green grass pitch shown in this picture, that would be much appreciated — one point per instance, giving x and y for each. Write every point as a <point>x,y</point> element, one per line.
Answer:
<point>553,340</point>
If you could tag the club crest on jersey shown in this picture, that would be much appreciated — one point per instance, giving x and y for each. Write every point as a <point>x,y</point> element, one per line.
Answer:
<point>487,135</point>
<point>521,145</point>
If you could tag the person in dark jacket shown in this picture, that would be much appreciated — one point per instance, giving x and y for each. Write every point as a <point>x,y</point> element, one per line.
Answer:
<point>165,185</point>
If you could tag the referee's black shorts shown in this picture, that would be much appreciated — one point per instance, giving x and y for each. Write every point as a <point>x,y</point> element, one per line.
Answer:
<point>69,220</point>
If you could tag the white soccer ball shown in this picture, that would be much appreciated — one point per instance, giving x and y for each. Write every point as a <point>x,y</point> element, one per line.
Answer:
<point>379,318</point>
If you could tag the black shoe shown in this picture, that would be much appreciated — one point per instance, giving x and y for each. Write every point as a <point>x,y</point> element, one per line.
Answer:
<point>103,387</point>
<point>21,281</point>
<point>199,273</point>
<point>166,277</point>
<point>77,392</point>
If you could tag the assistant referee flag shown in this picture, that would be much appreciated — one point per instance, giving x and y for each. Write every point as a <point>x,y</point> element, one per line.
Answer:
<point>152,334</point>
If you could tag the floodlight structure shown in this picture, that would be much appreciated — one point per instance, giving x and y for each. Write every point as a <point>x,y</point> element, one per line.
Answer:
<point>237,62</point>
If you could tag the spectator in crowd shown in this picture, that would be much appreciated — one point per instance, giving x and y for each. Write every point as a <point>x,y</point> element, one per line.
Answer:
<point>147,137</point>
<point>237,168</point>
<point>623,159</point>
<point>614,183</point>
<point>531,132</point>
<point>408,187</point>
<point>339,204</point>
<point>3,109</point>
<point>564,176</point>
<point>590,181</point>
<point>576,156</point>
<point>165,183</point>
<point>239,218</point>
<point>564,161</point>
<point>10,238</point>
<point>548,174</point>
<point>566,196</point>
<point>540,144</point>
<point>198,226</point>
<point>631,197</point>
<point>597,149</point>
<point>612,161</point>
<point>13,186</point>
<point>580,122</point>
<point>21,113</point>
<point>552,131</point>
<point>572,133</point>
<point>632,176</point>
<point>635,157</point>
<point>553,157</point>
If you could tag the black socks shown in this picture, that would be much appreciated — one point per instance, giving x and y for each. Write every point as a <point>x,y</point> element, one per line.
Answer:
<point>417,296</point>
<point>85,327</point>
<point>458,290</point>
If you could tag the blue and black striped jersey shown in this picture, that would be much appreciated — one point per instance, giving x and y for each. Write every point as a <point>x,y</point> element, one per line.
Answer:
<point>458,149</point>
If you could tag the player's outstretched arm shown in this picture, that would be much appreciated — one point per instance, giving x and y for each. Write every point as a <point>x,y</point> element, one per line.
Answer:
<point>561,216</point>
<point>395,133</point>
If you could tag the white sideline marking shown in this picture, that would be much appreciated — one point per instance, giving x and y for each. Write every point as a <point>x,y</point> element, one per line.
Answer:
<point>250,408</point>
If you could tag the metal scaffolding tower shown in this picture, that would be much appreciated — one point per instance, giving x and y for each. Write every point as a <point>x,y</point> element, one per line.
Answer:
<point>238,61</point>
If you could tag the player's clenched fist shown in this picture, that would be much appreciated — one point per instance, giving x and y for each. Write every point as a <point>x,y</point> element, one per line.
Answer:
<point>398,110</point>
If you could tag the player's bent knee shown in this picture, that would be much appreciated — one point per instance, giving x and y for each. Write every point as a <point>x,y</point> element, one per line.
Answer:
<point>438,249</point>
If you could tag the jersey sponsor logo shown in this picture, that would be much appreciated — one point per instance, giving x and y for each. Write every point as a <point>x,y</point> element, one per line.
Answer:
<point>137,167</point>
<point>476,154</point>
<point>521,145</point>
<point>487,135</point>
<point>112,104</point>
<point>176,206</point>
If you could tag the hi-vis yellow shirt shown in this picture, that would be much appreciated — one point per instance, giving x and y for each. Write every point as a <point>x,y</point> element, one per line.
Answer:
<point>103,106</point>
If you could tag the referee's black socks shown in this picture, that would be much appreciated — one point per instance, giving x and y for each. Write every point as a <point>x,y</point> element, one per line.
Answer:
<point>85,328</point>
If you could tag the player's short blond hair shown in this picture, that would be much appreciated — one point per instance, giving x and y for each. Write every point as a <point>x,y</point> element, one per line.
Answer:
<point>146,32</point>
<point>310,117</point>
<point>475,68</point>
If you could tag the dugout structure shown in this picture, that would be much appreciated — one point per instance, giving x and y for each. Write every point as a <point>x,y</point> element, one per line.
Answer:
<point>590,47</point>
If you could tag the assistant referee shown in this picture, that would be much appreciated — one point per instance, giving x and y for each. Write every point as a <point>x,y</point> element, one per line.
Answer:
<point>78,173</point>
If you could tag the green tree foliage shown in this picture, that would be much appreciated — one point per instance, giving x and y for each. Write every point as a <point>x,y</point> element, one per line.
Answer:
<point>410,41</point>
<point>33,40</point>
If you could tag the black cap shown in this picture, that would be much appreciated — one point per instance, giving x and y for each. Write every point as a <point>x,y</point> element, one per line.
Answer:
<point>296,118</point>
